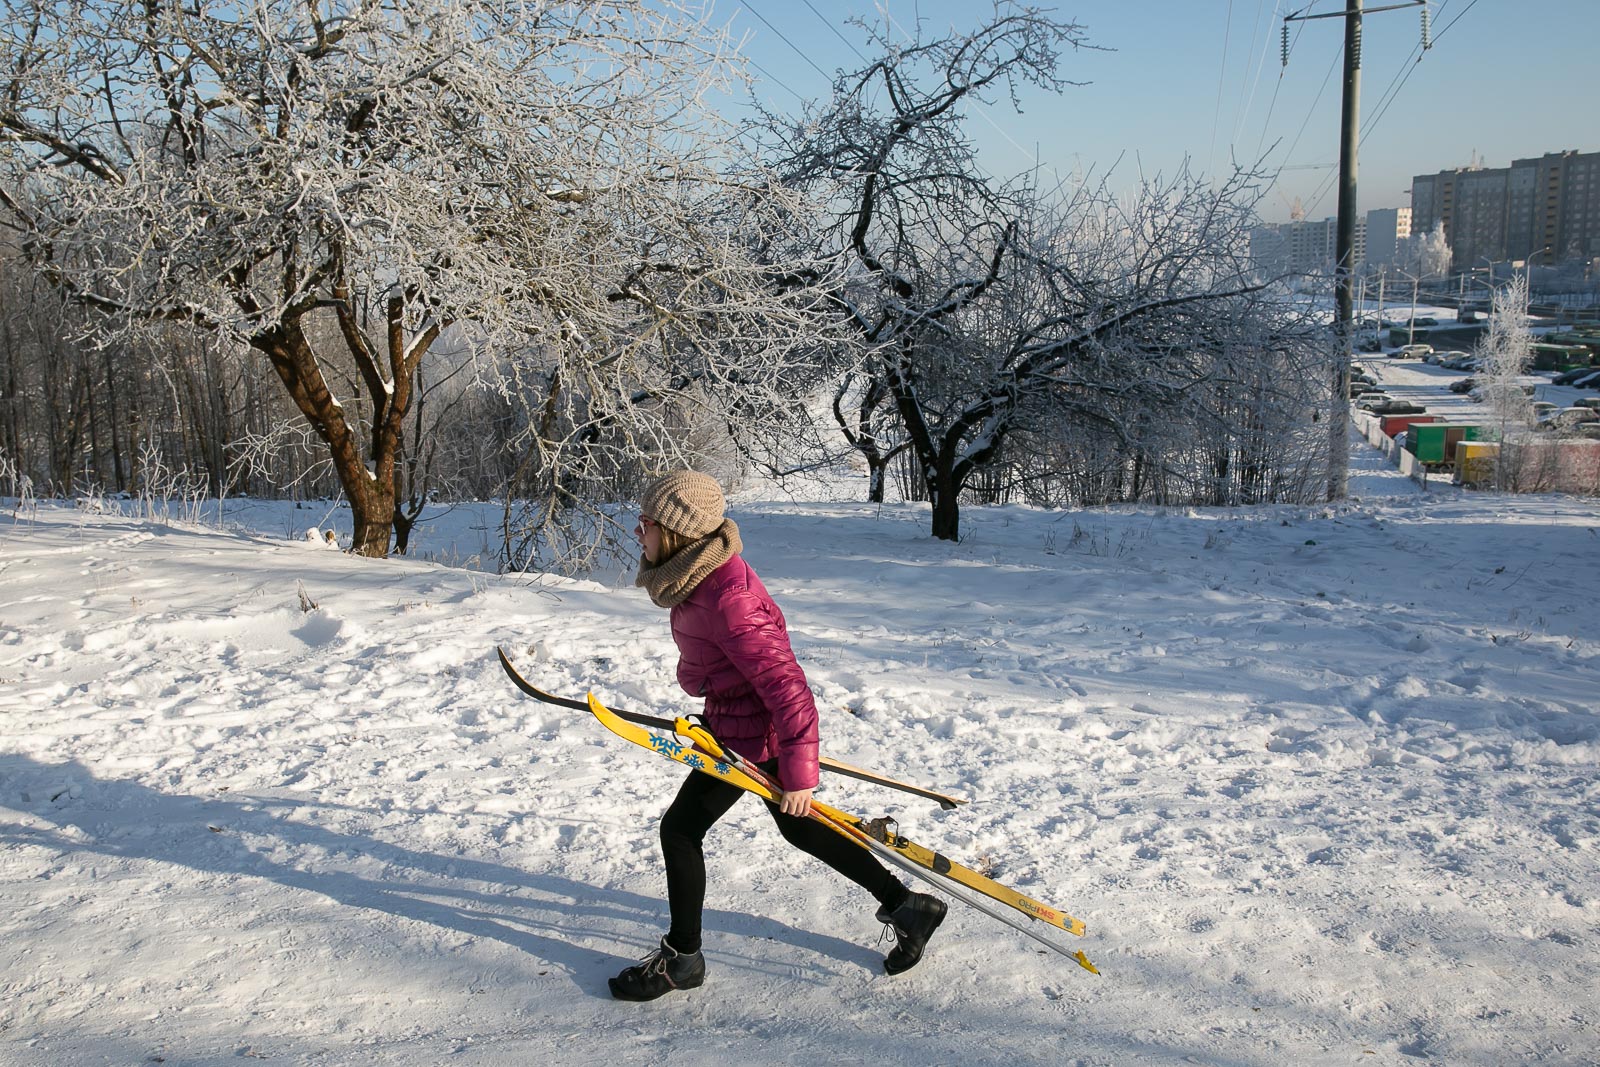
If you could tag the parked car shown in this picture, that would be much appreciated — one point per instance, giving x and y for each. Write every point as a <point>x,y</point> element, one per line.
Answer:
<point>1543,410</point>
<point>1571,377</point>
<point>1568,418</point>
<point>1460,361</point>
<point>1397,407</point>
<point>1463,385</point>
<point>1412,351</point>
<point>1479,393</point>
<point>1367,401</point>
<point>1587,402</point>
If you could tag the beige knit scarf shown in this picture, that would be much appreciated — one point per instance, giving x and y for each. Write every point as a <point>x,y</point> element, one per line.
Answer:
<point>671,583</point>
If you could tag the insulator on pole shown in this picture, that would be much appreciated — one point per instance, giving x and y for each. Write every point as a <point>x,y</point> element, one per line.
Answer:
<point>1427,18</point>
<point>1285,48</point>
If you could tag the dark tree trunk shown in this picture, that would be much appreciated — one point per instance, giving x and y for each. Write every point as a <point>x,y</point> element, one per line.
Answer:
<point>946,517</point>
<point>945,494</point>
<point>371,493</point>
<point>877,475</point>
<point>403,523</point>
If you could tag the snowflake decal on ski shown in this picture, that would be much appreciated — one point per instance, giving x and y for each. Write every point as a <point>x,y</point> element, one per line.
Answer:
<point>668,747</point>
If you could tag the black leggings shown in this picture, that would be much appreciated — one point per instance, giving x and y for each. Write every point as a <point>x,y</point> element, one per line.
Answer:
<point>700,802</point>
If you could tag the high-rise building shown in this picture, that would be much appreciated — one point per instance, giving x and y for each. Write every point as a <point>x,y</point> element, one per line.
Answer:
<point>1479,225</point>
<point>1302,247</point>
<point>1388,242</point>
<point>1544,209</point>
<point>1269,250</point>
<point>1432,199</point>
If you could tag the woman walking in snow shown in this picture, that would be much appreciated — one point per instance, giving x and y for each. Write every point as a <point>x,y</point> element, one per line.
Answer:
<point>733,650</point>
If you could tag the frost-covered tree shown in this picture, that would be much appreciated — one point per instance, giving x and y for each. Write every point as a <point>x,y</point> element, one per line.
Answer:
<point>1433,252</point>
<point>1503,357</point>
<point>921,228</point>
<point>337,185</point>
<point>984,306</point>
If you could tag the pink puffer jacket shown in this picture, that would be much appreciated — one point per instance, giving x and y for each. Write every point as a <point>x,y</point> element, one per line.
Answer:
<point>733,649</point>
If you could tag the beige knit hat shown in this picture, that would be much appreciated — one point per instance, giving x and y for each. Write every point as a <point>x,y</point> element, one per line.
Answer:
<point>687,502</point>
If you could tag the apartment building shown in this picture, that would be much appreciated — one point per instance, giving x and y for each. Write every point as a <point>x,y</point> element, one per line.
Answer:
<point>1311,247</point>
<point>1388,238</point>
<point>1546,209</point>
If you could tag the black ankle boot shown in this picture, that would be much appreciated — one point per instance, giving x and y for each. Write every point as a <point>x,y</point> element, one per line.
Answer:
<point>913,923</point>
<point>661,972</point>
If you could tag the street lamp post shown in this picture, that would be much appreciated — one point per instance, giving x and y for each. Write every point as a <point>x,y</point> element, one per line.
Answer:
<point>1411,323</point>
<point>1527,266</point>
<point>1491,263</point>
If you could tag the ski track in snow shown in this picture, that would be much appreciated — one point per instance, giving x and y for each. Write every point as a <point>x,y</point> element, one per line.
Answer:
<point>1321,781</point>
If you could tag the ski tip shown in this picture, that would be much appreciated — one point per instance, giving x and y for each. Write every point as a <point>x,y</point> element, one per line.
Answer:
<point>1083,961</point>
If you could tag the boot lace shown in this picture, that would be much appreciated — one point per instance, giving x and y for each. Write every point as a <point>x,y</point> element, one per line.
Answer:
<point>889,933</point>
<point>655,962</point>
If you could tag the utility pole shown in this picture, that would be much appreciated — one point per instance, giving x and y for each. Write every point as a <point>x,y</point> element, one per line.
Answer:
<point>1345,238</point>
<point>1345,246</point>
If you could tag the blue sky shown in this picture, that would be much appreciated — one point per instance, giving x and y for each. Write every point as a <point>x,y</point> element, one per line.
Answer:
<point>1202,79</point>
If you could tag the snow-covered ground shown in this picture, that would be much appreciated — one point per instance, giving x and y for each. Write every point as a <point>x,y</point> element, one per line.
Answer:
<point>1321,781</point>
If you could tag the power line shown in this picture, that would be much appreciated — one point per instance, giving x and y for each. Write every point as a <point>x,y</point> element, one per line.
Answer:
<point>895,25</point>
<point>1400,76</point>
<point>1222,73</point>
<point>983,113</point>
<point>1384,105</point>
<point>774,78</point>
<point>835,30</point>
<point>1312,110</point>
<point>798,51</point>
<point>1245,102</point>
<point>1273,104</point>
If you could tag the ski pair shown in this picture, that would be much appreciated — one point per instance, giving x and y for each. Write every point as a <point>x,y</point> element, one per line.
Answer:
<point>833,766</point>
<point>705,755</point>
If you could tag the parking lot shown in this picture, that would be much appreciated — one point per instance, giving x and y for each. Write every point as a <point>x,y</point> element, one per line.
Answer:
<point>1429,385</point>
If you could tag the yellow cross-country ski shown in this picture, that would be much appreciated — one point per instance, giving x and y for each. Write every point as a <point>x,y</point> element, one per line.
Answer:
<point>705,755</point>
